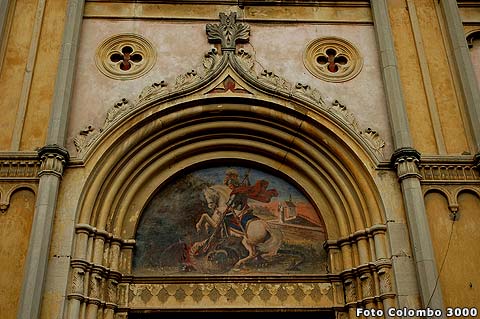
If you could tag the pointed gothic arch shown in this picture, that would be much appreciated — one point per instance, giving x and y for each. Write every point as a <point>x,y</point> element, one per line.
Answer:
<point>229,111</point>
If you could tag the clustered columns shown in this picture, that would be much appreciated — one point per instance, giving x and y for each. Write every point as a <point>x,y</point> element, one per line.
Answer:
<point>361,260</point>
<point>99,262</point>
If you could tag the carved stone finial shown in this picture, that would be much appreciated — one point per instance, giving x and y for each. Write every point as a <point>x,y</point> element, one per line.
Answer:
<point>228,33</point>
<point>406,160</point>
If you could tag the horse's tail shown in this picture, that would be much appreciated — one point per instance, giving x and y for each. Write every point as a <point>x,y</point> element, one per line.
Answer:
<point>272,244</point>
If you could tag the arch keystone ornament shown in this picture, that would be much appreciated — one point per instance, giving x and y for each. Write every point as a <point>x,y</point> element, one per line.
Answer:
<point>228,112</point>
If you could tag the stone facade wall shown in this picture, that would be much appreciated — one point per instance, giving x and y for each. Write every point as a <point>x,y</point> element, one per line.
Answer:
<point>396,220</point>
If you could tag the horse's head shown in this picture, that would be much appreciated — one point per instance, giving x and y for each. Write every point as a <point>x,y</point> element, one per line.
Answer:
<point>212,197</point>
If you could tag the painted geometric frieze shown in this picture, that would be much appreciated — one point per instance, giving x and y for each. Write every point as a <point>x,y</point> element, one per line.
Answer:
<point>230,295</point>
<point>219,66</point>
<point>332,59</point>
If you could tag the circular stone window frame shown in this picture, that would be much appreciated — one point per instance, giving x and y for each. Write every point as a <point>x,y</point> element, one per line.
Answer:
<point>114,45</point>
<point>345,48</point>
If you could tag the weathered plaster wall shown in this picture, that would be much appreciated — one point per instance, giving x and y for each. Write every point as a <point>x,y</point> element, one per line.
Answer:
<point>181,45</point>
<point>28,72</point>
<point>15,227</point>
<point>434,111</point>
<point>45,72</point>
<point>475,54</point>
<point>457,244</point>
<point>11,75</point>
<point>448,106</point>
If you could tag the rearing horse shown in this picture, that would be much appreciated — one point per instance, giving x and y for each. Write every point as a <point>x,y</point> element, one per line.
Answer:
<point>257,237</point>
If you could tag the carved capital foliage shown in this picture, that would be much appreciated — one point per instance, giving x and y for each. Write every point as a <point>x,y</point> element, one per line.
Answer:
<point>477,161</point>
<point>406,161</point>
<point>53,158</point>
<point>228,32</point>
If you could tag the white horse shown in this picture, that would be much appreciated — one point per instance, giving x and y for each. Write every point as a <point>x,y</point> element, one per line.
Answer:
<point>258,238</point>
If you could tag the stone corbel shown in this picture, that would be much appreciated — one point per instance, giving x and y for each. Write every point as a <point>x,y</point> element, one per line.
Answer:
<point>454,214</point>
<point>406,160</point>
<point>53,159</point>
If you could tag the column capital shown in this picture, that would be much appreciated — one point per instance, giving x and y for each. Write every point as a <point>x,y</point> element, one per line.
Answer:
<point>406,160</point>
<point>53,159</point>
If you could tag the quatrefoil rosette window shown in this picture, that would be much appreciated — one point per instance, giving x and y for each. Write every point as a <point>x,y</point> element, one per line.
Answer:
<point>332,59</point>
<point>125,56</point>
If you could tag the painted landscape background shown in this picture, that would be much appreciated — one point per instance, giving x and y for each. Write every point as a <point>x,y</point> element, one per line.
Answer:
<point>167,232</point>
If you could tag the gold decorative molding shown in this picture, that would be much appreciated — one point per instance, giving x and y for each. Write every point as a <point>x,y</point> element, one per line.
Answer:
<point>332,59</point>
<point>125,56</point>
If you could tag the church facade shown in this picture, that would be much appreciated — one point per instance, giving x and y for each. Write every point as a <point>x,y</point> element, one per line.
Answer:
<point>205,156</point>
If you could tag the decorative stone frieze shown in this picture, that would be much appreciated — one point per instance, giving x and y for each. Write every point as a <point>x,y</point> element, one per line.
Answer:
<point>215,65</point>
<point>406,161</point>
<point>332,59</point>
<point>19,167</point>
<point>228,32</point>
<point>449,172</point>
<point>53,159</point>
<point>125,56</point>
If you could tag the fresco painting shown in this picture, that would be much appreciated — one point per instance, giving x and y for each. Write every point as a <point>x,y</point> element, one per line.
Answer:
<point>229,220</point>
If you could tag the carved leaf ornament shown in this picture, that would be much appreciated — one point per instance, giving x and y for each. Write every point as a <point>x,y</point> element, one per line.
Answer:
<point>228,33</point>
